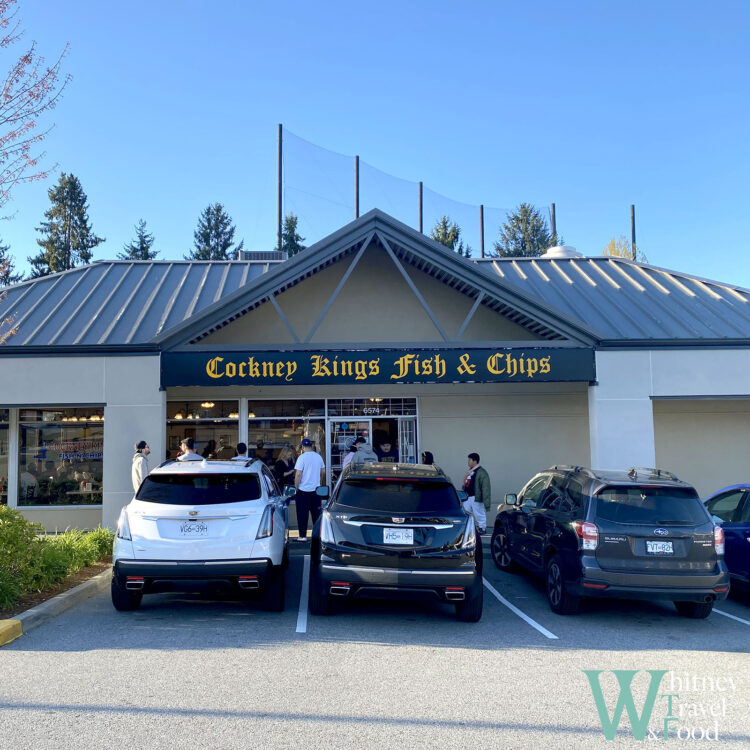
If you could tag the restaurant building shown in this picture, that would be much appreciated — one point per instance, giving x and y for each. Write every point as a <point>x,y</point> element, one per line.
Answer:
<point>379,331</point>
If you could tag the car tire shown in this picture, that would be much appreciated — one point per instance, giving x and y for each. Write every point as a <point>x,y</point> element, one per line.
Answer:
<point>320,603</point>
<point>500,548</point>
<point>694,610</point>
<point>470,609</point>
<point>275,594</point>
<point>561,601</point>
<point>122,599</point>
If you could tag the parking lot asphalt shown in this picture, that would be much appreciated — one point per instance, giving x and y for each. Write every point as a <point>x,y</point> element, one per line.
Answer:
<point>205,671</point>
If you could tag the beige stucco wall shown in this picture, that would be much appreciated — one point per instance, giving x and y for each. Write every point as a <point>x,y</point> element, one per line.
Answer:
<point>135,409</point>
<point>706,442</point>
<point>517,430</point>
<point>375,305</point>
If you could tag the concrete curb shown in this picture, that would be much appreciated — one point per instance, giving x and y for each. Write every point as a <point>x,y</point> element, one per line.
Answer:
<point>44,612</point>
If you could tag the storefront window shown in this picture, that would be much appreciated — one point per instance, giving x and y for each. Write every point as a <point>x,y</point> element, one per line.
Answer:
<point>372,407</point>
<point>214,425</point>
<point>287,408</point>
<point>3,456</point>
<point>267,437</point>
<point>60,456</point>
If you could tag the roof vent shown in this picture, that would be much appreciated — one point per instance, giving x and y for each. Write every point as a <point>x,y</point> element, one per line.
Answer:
<point>562,251</point>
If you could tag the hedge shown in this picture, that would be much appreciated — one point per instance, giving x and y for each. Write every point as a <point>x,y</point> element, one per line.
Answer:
<point>31,561</point>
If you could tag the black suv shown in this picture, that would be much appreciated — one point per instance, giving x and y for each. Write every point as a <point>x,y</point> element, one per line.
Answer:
<point>396,531</point>
<point>637,534</point>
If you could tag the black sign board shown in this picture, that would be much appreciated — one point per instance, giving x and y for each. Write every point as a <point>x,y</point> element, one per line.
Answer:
<point>376,366</point>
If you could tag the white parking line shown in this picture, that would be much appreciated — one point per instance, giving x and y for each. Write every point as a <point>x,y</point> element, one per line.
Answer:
<point>518,612</point>
<point>731,617</point>
<point>302,614</point>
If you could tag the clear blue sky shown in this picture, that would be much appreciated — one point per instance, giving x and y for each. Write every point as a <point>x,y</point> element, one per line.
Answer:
<point>590,105</point>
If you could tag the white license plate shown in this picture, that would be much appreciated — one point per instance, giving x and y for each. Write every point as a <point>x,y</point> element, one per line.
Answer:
<point>659,548</point>
<point>398,536</point>
<point>193,529</point>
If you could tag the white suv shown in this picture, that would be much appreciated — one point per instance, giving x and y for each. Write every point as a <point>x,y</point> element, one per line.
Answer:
<point>218,522</point>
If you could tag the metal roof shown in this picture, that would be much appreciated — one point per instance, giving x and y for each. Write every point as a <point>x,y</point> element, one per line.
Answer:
<point>119,303</point>
<point>410,247</point>
<point>151,305</point>
<point>631,303</point>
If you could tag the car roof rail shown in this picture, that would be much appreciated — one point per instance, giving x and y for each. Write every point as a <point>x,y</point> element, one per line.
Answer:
<point>167,462</point>
<point>568,467</point>
<point>652,473</point>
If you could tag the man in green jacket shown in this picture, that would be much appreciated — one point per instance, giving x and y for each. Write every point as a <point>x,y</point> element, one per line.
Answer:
<point>477,487</point>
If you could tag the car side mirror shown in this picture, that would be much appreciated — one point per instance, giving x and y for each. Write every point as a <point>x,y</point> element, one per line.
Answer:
<point>289,490</point>
<point>511,498</point>
<point>323,491</point>
<point>463,496</point>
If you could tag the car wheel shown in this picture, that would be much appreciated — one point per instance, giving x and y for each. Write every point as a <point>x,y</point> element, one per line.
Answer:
<point>561,601</point>
<point>500,548</point>
<point>695,610</point>
<point>320,602</point>
<point>124,600</point>
<point>273,599</point>
<point>470,609</point>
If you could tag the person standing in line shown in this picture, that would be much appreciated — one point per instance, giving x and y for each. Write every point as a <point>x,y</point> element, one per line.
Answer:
<point>187,451</point>
<point>348,456</point>
<point>387,453</point>
<point>427,458</point>
<point>365,454</point>
<point>241,453</point>
<point>140,464</point>
<point>309,474</point>
<point>283,469</point>
<point>477,487</point>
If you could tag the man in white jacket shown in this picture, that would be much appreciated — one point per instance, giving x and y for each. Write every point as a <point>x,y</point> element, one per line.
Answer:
<point>140,464</point>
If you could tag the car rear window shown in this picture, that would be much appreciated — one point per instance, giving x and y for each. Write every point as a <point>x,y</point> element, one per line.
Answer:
<point>398,496</point>
<point>199,489</point>
<point>650,505</point>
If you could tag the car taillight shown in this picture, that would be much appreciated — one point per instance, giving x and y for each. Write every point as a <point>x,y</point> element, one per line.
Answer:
<point>123,527</point>
<point>470,535</point>
<point>326,529</point>
<point>719,540</point>
<point>587,533</point>
<point>266,523</point>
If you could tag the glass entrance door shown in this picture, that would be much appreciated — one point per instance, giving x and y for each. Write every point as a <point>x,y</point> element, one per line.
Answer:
<point>407,441</point>
<point>341,434</point>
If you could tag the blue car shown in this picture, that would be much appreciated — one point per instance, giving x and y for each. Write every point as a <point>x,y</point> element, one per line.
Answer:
<point>732,506</point>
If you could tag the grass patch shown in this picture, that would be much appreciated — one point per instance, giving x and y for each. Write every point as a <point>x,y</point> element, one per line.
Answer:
<point>30,561</point>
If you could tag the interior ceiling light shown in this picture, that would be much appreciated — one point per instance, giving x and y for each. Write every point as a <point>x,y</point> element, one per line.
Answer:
<point>179,415</point>
<point>251,415</point>
<point>208,405</point>
<point>234,415</point>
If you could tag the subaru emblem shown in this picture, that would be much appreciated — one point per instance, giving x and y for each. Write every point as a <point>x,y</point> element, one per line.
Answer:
<point>192,512</point>
<point>398,520</point>
<point>661,532</point>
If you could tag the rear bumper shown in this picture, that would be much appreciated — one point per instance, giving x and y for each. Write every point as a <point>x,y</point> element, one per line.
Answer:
<point>365,582</point>
<point>171,575</point>
<point>687,587</point>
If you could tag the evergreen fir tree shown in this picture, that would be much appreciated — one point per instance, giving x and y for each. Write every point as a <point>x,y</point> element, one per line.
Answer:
<point>526,234</point>
<point>214,236</point>
<point>140,247</point>
<point>7,266</point>
<point>448,233</point>
<point>67,237</point>
<point>291,241</point>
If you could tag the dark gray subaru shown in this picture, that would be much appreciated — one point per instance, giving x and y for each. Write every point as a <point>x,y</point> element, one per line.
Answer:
<point>637,534</point>
<point>396,531</point>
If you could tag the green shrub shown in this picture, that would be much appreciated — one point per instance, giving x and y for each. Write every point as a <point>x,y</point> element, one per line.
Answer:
<point>30,561</point>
